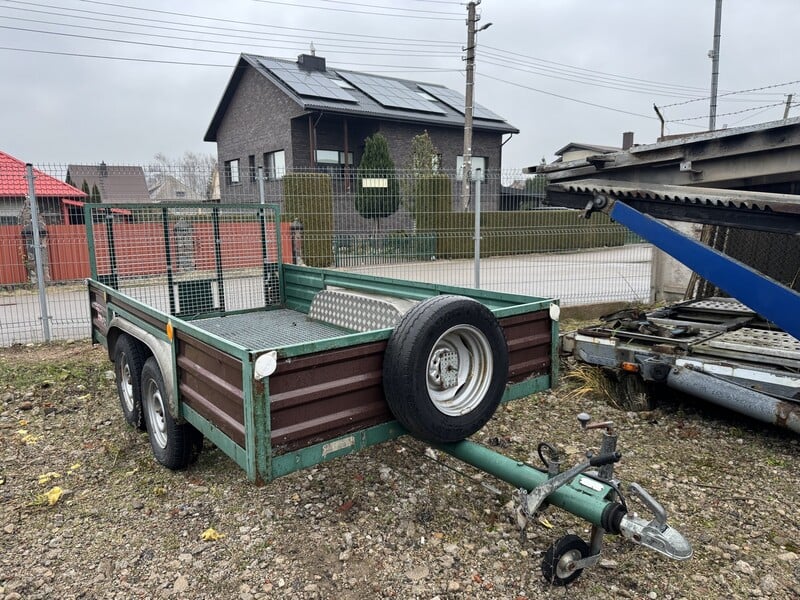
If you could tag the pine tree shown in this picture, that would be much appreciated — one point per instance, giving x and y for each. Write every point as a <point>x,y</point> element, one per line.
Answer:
<point>95,196</point>
<point>374,200</point>
<point>85,189</point>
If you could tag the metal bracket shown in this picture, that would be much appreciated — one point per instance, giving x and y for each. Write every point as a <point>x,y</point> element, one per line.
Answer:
<point>598,202</point>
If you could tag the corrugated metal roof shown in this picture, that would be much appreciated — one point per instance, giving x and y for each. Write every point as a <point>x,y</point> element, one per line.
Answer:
<point>680,194</point>
<point>14,184</point>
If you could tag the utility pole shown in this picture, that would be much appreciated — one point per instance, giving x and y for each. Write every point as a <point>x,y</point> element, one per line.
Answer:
<point>466,167</point>
<point>714,55</point>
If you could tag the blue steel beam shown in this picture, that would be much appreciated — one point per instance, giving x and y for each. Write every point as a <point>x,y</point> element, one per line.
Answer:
<point>772,300</point>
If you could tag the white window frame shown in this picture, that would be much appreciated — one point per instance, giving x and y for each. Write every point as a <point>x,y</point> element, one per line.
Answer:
<point>232,173</point>
<point>275,164</point>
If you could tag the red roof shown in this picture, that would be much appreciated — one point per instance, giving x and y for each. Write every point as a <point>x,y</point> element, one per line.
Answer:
<point>13,183</point>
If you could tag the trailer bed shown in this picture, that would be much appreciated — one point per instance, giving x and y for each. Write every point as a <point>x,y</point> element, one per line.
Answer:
<point>269,329</point>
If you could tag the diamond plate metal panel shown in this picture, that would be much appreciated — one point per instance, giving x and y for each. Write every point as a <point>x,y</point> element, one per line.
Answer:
<point>359,312</point>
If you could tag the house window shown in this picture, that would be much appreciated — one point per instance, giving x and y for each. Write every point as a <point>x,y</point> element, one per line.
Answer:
<point>275,164</point>
<point>180,194</point>
<point>478,162</point>
<point>251,164</point>
<point>232,171</point>
<point>333,157</point>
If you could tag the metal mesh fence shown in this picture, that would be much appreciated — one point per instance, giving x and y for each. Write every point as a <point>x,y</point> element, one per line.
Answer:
<point>188,260</point>
<point>397,224</point>
<point>757,249</point>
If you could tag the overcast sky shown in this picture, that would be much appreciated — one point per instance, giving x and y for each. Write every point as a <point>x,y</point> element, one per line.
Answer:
<point>559,70</point>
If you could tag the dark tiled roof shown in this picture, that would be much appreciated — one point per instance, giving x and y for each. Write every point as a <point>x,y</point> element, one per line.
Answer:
<point>117,184</point>
<point>310,93</point>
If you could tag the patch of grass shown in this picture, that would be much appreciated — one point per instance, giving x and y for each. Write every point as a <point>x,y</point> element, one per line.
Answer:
<point>582,381</point>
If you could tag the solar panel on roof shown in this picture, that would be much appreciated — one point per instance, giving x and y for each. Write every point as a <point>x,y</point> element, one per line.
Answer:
<point>456,101</point>
<point>391,93</point>
<point>315,84</point>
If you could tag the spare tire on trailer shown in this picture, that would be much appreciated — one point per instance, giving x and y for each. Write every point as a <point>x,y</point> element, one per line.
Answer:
<point>445,368</point>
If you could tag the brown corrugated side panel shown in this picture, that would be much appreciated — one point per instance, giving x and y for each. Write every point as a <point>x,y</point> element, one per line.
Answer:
<point>529,339</point>
<point>210,382</point>
<point>321,396</point>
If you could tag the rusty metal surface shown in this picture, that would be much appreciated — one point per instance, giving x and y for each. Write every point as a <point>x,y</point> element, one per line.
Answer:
<point>210,382</point>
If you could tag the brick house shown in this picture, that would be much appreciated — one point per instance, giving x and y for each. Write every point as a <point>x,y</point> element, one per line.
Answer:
<point>288,116</point>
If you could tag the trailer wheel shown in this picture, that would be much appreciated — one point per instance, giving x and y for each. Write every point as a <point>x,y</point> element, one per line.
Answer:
<point>635,393</point>
<point>445,368</point>
<point>558,564</point>
<point>128,363</point>
<point>174,446</point>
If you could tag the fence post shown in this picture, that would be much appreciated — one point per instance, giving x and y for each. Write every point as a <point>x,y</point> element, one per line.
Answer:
<point>37,252</point>
<point>477,229</point>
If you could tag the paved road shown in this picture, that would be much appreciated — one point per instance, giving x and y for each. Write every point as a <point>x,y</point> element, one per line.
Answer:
<point>609,274</point>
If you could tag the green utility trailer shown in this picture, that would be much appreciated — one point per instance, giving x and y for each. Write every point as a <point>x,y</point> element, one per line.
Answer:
<point>218,331</point>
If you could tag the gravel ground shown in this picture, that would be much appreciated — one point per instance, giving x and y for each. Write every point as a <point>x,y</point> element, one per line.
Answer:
<point>388,522</point>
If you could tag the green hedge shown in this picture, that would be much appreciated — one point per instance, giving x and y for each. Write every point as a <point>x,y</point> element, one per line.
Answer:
<point>433,202</point>
<point>520,232</point>
<point>309,198</point>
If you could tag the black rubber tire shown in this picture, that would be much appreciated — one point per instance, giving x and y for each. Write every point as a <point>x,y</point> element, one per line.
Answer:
<point>129,359</point>
<point>174,445</point>
<point>468,335</point>
<point>570,547</point>
<point>634,393</point>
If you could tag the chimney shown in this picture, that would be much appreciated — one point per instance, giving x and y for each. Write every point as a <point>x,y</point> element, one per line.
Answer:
<point>309,62</point>
<point>627,140</point>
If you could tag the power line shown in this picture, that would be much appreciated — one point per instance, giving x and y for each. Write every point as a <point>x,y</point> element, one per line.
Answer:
<point>380,6</point>
<point>157,45</point>
<point>276,43</point>
<point>200,29</point>
<point>566,77</point>
<point>586,102</point>
<point>596,72</point>
<point>395,69</point>
<point>766,87</point>
<point>735,112</point>
<point>358,12</point>
<point>207,18</point>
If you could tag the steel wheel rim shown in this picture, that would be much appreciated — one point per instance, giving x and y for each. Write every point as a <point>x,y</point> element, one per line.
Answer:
<point>459,370</point>
<point>126,384</point>
<point>156,414</point>
<point>566,564</point>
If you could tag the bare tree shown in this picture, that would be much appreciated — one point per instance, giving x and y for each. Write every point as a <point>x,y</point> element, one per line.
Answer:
<point>193,169</point>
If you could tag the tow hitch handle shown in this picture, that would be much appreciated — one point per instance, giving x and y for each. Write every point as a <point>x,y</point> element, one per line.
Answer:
<point>605,459</point>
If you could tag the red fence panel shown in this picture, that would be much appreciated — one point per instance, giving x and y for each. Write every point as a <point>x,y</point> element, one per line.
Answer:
<point>139,249</point>
<point>12,267</point>
<point>69,252</point>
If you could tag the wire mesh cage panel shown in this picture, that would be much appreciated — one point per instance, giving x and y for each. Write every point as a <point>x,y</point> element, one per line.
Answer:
<point>188,238</point>
<point>189,260</point>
